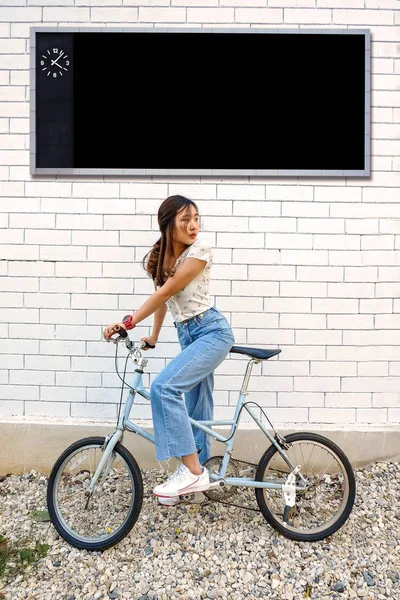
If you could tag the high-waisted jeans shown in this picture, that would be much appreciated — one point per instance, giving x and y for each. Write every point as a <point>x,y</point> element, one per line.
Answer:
<point>205,341</point>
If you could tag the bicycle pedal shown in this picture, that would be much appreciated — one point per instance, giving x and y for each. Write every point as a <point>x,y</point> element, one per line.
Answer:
<point>186,497</point>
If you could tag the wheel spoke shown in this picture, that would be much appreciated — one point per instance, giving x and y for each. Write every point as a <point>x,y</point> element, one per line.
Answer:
<point>303,459</point>
<point>314,463</point>
<point>309,458</point>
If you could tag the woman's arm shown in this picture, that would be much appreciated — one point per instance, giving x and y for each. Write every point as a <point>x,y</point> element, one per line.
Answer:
<point>159,317</point>
<point>186,272</point>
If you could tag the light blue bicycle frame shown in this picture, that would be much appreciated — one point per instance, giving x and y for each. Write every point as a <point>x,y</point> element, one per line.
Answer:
<point>126,424</point>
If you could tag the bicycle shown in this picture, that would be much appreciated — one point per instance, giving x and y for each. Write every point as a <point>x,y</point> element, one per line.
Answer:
<point>95,488</point>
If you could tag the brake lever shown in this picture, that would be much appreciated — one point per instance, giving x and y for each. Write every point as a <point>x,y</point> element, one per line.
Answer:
<point>124,337</point>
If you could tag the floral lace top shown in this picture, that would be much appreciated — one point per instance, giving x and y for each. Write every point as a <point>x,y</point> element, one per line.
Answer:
<point>194,298</point>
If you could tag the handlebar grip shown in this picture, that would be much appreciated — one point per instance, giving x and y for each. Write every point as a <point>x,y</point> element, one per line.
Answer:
<point>147,345</point>
<point>122,332</point>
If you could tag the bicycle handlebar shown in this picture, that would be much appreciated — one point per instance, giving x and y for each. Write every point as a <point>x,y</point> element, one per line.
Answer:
<point>124,334</point>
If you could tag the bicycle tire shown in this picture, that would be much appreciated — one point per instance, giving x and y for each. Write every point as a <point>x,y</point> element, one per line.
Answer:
<point>65,531</point>
<point>346,509</point>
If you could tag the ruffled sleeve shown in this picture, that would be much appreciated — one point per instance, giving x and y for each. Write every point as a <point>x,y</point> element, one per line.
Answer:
<point>200,251</point>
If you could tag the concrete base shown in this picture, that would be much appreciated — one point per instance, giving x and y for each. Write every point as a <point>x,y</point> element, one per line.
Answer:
<point>36,444</point>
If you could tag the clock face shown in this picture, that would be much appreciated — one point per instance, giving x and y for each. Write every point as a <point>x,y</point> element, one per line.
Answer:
<point>54,62</point>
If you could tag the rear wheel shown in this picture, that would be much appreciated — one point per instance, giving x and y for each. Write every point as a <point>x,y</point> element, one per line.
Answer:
<point>102,519</point>
<point>327,500</point>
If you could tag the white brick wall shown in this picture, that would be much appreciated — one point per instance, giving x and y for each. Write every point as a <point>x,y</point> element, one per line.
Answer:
<point>310,265</point>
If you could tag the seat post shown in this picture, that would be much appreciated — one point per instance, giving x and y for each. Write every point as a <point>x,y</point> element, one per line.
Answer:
<point>246,377</point>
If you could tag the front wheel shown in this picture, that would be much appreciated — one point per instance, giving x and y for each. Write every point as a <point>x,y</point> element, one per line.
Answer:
<point>327,499</point>
<point>99,520</point>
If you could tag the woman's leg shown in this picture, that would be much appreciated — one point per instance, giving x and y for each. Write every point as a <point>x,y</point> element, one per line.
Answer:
<point>172,428</point>
<point>200,406</point>
<point>191,461</point>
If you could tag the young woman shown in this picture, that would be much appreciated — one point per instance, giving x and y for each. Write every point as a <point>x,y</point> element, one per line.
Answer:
<point>179,264</point>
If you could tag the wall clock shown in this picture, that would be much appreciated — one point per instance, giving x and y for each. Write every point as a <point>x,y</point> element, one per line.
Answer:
<point>54,62</point>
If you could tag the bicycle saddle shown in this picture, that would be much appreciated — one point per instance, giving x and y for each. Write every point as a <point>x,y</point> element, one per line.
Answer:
<point>254,352</point>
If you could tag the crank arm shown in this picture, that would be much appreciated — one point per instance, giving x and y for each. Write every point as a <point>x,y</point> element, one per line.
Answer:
<point>217,484</point>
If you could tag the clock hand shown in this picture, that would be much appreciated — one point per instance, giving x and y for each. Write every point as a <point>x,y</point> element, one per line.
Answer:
<point>61,67</point>
<point>58,57</point>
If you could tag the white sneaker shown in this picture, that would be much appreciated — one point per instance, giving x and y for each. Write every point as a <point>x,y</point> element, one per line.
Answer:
<point>196,498</point>
<point>182,482</point>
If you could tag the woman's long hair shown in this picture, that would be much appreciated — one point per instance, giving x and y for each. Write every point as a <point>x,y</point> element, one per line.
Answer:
<point>163,248</point>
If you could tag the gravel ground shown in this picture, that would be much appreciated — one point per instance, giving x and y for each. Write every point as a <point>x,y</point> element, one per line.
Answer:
<point>210,550</point>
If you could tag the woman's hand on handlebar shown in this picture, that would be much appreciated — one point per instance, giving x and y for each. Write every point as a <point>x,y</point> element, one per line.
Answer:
<point>109,331</point>
<point>149,340</point>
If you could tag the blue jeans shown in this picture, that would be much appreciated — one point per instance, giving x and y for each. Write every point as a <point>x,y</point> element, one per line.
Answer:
<point>205,341</point>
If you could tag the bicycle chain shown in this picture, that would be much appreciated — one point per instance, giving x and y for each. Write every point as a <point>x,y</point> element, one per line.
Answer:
<point>236,505</point>
<point>238,466</point>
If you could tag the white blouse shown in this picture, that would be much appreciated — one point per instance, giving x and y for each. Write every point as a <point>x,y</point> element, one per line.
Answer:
<point>194,298</point>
